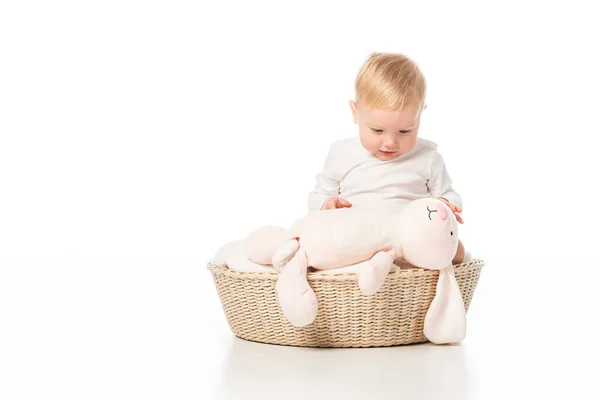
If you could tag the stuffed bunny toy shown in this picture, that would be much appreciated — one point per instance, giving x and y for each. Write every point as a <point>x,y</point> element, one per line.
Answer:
<point>425,235</point>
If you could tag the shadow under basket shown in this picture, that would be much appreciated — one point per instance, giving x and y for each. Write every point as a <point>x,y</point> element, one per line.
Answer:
<point>346,316</point>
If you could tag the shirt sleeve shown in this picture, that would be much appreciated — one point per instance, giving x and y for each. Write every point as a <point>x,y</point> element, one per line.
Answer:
<point>328,180</point>
<point>440,183</point>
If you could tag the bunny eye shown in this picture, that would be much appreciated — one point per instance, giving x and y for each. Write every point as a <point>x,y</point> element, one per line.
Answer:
<point>451,233</point>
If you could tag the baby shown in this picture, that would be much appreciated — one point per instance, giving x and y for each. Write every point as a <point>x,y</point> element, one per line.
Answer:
<point>388,165</point>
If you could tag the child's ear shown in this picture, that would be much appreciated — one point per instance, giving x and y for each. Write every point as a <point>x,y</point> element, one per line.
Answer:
<point>354,111</point>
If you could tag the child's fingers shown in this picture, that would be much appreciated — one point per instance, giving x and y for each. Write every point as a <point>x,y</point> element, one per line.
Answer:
<point>459,219</point>
<point>328,205</point>
<point>344,203</point>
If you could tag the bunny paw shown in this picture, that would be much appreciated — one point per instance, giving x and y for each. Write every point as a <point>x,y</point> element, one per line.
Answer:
<point>373,275</point>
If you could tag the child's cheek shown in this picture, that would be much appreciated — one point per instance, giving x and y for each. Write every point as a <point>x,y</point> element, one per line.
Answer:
<point>374,142</point>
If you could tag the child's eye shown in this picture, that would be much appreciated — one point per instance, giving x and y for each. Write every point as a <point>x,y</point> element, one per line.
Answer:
<point>377,130</point>
<point>405,132</point>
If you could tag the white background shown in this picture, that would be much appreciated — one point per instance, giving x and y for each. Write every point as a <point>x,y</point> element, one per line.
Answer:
<point>137,137</point>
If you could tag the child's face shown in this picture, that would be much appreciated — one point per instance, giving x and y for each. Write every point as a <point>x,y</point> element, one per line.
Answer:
<point>387,133</point>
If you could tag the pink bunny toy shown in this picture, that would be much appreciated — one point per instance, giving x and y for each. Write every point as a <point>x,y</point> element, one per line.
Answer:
<point>425,234</point>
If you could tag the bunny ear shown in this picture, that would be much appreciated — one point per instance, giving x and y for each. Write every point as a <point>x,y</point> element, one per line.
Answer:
<point>445,321</point>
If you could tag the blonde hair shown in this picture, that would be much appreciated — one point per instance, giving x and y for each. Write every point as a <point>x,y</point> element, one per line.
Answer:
<point>390,81</point>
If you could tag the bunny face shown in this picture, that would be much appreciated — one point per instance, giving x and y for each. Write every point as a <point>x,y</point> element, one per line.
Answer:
<point>429,234</point>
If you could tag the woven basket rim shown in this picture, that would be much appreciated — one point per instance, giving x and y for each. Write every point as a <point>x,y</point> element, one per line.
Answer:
<point>317,276</point>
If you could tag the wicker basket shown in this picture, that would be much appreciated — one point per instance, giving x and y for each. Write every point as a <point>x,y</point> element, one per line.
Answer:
<point>346,317</point>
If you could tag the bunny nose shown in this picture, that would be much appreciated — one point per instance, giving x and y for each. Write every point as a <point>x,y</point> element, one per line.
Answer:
<point>442,211</point>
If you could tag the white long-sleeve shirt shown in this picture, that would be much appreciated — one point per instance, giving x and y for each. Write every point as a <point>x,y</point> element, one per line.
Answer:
<point>356,175</point>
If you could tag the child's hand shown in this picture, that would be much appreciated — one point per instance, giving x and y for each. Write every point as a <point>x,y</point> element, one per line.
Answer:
<point>335,202</point>
<point>455,209</point>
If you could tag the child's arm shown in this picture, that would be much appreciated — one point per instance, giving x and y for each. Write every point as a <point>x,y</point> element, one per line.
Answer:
<point>440,184</point>
<point>328,180</point>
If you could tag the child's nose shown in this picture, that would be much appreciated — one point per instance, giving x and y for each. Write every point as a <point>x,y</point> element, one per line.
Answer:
<point>389,141</point>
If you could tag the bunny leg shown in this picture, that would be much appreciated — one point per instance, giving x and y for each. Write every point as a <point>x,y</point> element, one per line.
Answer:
<point>296,298</point>
<point>284,254</point>
<point>374,272</point>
